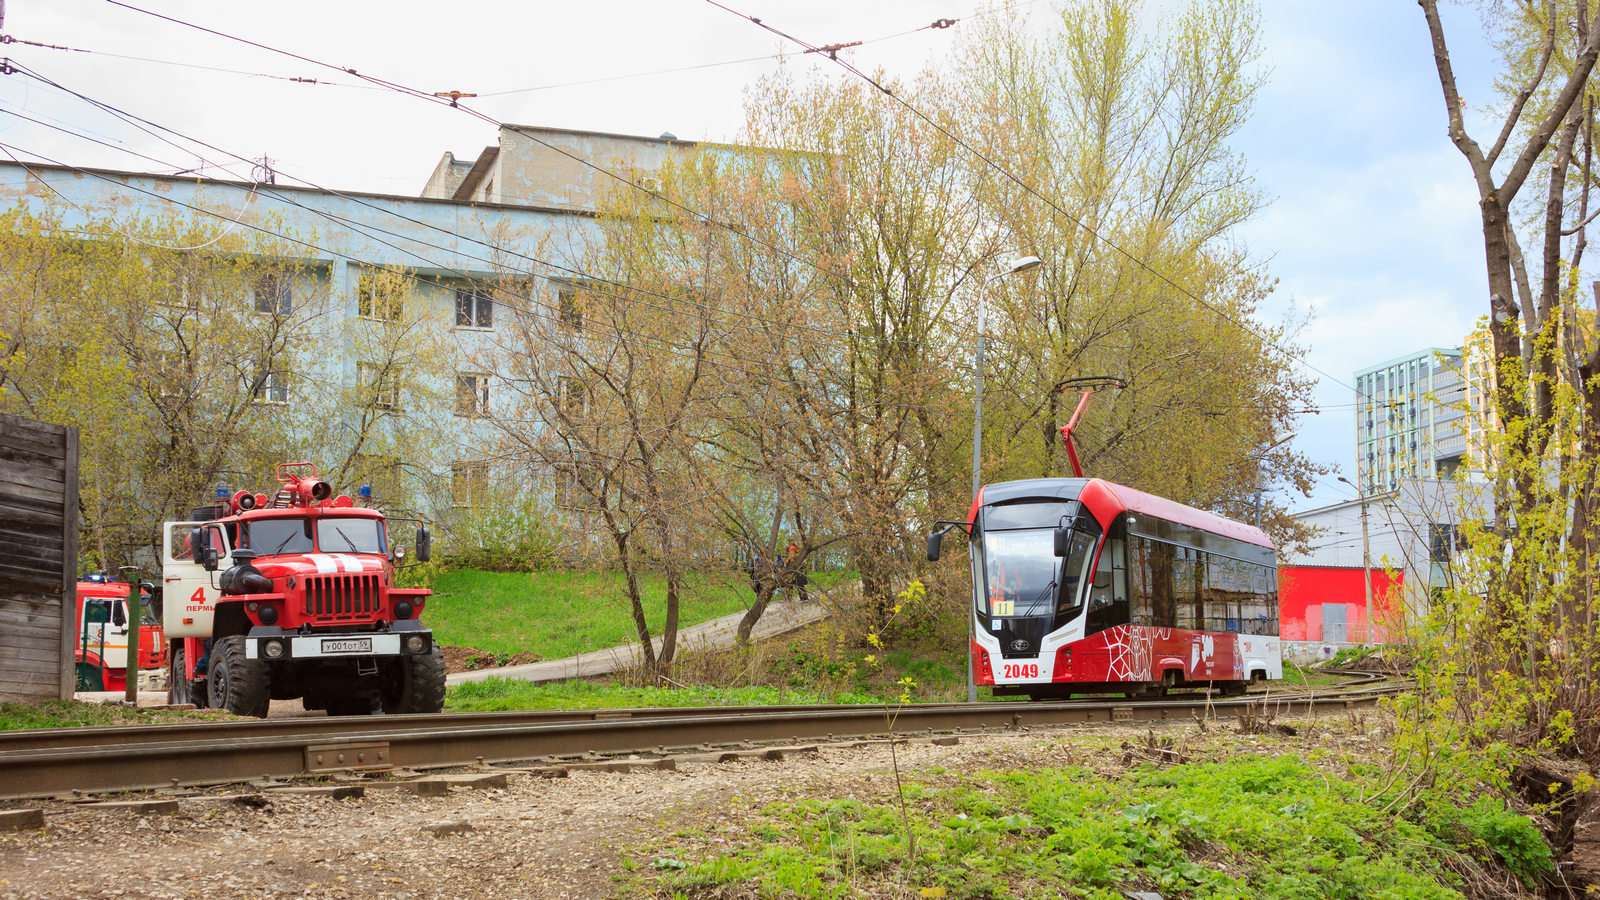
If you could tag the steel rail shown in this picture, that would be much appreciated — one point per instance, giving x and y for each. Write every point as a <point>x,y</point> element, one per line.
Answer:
<point>332,727</point>
<point>231,752</point>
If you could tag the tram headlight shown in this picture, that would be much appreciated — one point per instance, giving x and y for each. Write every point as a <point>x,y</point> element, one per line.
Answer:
<point>272,649</point>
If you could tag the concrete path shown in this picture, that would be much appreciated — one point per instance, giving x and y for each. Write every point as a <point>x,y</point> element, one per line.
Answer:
<point>780,618</point>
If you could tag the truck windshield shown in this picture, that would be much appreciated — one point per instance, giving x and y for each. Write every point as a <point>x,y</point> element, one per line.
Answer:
<point>349,536</point>
<point>270,537</point>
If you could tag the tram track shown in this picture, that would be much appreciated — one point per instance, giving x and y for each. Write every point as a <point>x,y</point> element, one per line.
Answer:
<point>55,762</point>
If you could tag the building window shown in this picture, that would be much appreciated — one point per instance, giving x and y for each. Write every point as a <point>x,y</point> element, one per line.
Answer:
<point>271,387</point>
<point>272,295</point>
<point>472,395</point>
<point>469,483</point>
<point>380,296</point>
<point>570,309</point>
<point>381,473</point>
<point>170,374</point>
<point>380,385</point>
<point>474,308</point>
<point>573,395</point>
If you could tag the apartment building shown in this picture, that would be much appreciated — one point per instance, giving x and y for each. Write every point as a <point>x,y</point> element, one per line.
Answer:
<point>1411,420</point>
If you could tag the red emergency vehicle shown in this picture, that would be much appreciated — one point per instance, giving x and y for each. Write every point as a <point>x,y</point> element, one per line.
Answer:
<point>293,595</point>
<point>102,638</point>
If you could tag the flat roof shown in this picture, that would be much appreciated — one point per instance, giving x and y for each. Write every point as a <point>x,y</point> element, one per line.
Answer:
<point>29,167</point>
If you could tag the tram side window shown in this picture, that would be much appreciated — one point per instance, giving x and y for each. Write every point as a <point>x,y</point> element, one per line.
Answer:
<point>1164,609</point>
<point>1108,595</point>
<point>1227,583</point>
<point>1185,567</point>
<point>1259,610</point>
<point>1139,611</point>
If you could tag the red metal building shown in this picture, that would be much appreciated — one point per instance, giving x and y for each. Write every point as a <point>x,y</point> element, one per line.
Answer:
<point>1328,604</point>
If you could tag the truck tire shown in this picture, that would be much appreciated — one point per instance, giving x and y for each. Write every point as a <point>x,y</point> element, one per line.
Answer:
<point>237,685</point>
<point>89,678</point>
<point>417,685</point>
<point>180,690</point>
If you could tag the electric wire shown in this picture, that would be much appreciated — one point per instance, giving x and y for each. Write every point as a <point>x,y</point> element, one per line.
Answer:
<point>1032,191</point>
<point>455,104</point>
<point>550,313</point>
<point>11,39</point>
<point>809,48</point>
<point>140,123</point>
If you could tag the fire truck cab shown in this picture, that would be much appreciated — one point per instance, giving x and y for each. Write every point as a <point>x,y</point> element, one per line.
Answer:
<point>102,639</point>
<point>293,595</point>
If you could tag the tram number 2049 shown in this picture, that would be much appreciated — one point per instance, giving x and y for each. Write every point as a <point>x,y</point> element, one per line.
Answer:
<point>1026,670</point>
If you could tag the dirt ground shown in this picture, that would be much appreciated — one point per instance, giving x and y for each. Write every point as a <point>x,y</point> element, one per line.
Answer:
<point>537,838</point>
<point>466,659</point>
<point>585,835</point>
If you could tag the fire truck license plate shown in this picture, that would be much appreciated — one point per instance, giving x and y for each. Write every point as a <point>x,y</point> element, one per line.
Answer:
<point>347,645</point>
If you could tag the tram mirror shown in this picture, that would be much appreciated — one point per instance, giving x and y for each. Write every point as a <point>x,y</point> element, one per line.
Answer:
<point>1063,540</point>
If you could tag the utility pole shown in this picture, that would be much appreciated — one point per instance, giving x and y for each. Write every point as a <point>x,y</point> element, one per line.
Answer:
<point>1366,555</point>
<point>130,693</point>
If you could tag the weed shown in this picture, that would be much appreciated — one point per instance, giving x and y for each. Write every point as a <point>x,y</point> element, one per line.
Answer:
<point>1244,827</point>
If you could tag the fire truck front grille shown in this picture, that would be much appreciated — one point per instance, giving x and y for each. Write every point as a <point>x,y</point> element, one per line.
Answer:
<point>341,596</point>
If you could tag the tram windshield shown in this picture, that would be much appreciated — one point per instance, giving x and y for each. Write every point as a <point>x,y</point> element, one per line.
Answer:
<point>1023,576</point>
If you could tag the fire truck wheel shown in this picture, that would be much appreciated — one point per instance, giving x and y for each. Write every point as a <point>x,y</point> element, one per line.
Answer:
<point>418,685</point>
<point>238,685</point>
<point>180,690</point>
<point>89,678</point>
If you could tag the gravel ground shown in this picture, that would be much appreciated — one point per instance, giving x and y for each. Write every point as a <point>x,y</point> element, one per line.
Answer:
<point>537,838</point>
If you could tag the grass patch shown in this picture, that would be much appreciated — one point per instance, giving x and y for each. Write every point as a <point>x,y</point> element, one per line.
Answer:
<point>72,714</point>
<point>556,614</point>
<point>1305,676</point>
<point>1246,827</point>
<point>509,694</point>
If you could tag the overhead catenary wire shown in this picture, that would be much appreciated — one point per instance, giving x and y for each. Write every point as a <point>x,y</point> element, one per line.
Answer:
<point>10,39</point>
<point>1029,189</point>
<point>545,310</point>
<point>415,92</point>
<point>140,123</point>
<point>455,104</point>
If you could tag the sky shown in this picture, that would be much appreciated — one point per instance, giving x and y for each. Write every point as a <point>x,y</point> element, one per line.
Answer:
<point>1372,228</point>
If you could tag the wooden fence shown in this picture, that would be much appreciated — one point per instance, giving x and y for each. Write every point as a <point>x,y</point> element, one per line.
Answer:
<point>38,559</point>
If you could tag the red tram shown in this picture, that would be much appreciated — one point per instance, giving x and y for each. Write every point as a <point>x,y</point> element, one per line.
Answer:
<point>1084,586</point>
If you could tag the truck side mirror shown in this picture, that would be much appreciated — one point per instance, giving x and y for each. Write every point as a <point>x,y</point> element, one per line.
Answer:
<point>424,545</point>
<point>118,617</point>
<point>203,552</point>
<point>1063,540</point>
<point>934,540</point>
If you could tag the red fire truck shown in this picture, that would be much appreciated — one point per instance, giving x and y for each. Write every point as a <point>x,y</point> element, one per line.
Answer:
<point>102,645</point>
<point>294,595</point>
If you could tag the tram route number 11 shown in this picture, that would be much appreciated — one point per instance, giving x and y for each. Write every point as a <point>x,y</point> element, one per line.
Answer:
<point>1022,670</point>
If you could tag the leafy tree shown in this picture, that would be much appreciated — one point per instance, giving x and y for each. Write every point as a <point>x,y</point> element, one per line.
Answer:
<point>1513,642</point>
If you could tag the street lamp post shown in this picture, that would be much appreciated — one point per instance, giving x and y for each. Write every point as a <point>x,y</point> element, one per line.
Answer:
<point>1366,554</point>
<point>1021,264</point>
<point>1260,456</point>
